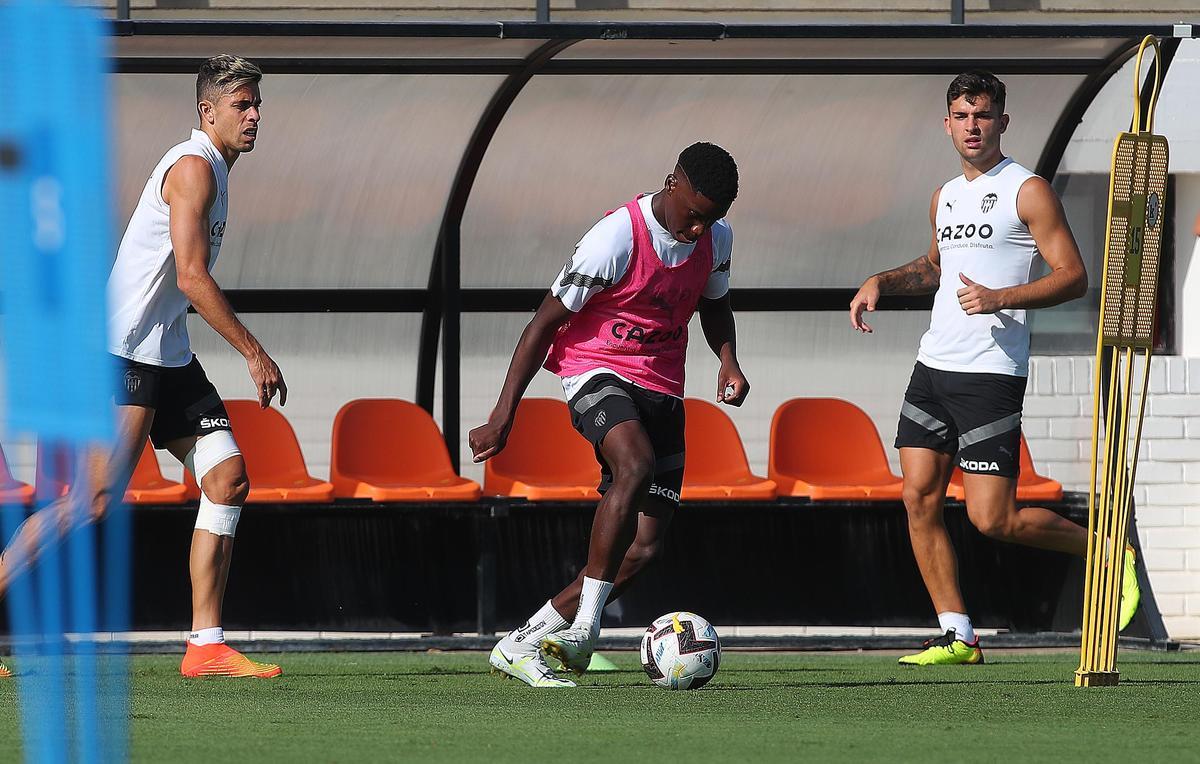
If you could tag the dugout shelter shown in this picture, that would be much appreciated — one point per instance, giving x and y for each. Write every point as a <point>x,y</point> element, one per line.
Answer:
<point>418,185</point>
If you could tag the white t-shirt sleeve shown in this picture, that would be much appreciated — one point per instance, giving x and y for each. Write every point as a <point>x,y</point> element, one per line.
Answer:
<point>600,260</point>
<point>722,242</point>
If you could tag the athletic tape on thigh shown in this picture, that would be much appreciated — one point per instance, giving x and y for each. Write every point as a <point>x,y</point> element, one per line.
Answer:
<point>218,519</point>
<point>209,451</point>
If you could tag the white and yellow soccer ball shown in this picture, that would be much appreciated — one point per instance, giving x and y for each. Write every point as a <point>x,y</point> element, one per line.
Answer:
<point>681,651</point>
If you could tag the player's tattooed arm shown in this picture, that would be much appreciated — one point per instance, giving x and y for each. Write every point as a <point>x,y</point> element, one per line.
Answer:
<point>921,276</point>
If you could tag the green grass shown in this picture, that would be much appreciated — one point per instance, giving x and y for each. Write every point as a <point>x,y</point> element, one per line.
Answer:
<point>774,707</point>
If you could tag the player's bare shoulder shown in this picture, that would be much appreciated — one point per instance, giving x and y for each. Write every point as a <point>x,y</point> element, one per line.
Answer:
<point>190,179</point>
<point>1037,200</point>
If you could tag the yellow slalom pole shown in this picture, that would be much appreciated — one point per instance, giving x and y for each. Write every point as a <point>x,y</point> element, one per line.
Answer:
<point>1114,533</point>
<point>1133,239</point>
<point>1089,598</point>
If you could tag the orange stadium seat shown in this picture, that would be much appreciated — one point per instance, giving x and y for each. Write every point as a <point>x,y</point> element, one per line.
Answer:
<point>13,491</point>
<point>274,462</point>
<point>828,449</point>
<point>148,486</point>
<point>1030,485</point>
<point>716,466</point>
<point>387,449</point>
<point>545,459</point>
<point>55,470</point>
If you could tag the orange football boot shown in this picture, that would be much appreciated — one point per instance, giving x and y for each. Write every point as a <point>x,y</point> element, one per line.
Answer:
<point>223,660</point>
<point>4,672</point>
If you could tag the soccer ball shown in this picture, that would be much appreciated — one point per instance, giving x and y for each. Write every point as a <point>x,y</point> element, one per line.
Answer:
<point>681,651</point>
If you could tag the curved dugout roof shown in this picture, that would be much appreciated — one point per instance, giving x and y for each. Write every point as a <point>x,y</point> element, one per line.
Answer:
<point>448,116</point>
<point>402,146</point>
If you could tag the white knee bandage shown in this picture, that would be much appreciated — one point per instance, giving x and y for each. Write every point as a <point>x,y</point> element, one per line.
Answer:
<point>209,451</point>
<point>217,519</point>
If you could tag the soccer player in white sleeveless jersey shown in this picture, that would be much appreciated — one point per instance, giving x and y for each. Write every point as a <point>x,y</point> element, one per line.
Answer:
<point>963,404</point>
<point>162,267</point>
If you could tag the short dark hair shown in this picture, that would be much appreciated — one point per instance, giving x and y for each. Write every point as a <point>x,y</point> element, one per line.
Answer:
<point>223,74</point>
<point>711,171</point>
<point>975,83</point>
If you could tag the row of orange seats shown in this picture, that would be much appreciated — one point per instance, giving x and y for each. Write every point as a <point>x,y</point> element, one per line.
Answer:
<point>390,450</point>
<point>825,449</point>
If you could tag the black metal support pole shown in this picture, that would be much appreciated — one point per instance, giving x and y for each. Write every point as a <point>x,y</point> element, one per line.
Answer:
<point>1076,106</point>
<point>122,10</point>
<point>451,255</point>
<point>449,242</point>
<point>431,324</point>
<point>543,11</point>
<point>485,571</point>
<point>958,11</point>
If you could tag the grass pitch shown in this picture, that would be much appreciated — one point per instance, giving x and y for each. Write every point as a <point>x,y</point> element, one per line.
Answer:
<point>352,707</point>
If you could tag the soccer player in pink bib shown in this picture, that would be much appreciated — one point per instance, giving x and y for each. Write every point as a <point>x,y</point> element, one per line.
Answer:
<point>614,327</point>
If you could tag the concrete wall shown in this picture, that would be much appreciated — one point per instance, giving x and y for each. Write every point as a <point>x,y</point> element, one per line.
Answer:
<point>1058,425</point>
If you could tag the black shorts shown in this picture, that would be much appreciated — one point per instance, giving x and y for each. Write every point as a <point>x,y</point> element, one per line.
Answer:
<point>606,400</point>
<point>185,403</point>
<point>976,416</point>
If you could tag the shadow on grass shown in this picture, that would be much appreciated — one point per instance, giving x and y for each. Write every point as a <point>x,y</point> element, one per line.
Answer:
<point>729,687</point>
<point>896,683</point>
<point>787,670</point>
<point>1164,663</point>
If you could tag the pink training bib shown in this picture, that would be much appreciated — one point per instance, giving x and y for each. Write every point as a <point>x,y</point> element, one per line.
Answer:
<point>639,326</point>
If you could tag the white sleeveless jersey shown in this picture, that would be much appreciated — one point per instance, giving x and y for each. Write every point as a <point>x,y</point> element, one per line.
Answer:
<point>147,312</point>
<point>980,235</point>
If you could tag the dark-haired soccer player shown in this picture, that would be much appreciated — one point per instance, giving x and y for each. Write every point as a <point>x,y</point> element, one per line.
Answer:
<point>990,225</point>
<point>162,267</point>
<point>614,326</point>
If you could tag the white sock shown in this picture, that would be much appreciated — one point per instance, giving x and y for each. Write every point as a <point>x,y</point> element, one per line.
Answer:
<point>213,636</point>
<point>960,623</point>
<point>591,605</point>
<point>526,637</point>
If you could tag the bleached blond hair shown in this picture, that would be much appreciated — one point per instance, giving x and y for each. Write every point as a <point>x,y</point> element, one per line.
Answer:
<point>224,74</point>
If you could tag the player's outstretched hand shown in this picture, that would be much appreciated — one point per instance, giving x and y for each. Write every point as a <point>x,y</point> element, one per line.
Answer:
<point>487,440</point>
<point>732,386</point>
<point>868,295</point>
<point>268,379</point>
<point>976,298</point>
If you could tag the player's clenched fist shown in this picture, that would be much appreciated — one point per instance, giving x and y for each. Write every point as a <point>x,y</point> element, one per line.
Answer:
<point>487,440</point>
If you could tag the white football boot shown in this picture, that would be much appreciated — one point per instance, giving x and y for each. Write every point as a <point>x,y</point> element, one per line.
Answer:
<point>571,647</point>
<point>528,665</point>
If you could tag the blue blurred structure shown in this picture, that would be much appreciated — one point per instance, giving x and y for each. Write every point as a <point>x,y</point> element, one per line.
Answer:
<point>54,211</point>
